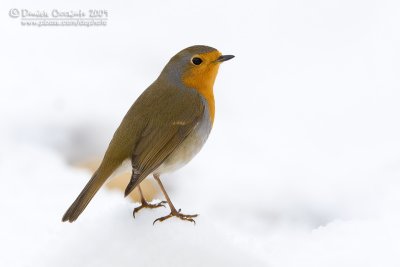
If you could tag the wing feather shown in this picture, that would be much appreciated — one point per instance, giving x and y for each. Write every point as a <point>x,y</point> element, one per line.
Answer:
<point>170,124</point>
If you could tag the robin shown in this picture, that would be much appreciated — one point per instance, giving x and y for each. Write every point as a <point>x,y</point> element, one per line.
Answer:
<point>163,130</point>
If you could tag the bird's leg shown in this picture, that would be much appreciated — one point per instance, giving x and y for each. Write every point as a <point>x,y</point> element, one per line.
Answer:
<point>174,212</point>
<point>145,204</point>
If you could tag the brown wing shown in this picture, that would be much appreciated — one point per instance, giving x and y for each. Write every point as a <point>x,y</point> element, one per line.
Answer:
<point>172,120</point>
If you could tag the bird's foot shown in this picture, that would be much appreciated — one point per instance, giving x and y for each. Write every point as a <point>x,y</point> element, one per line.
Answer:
<point>147,205</point>
<point>178,214</point>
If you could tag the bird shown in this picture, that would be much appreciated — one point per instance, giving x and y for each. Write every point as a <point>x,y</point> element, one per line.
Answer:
<point>163,130</point>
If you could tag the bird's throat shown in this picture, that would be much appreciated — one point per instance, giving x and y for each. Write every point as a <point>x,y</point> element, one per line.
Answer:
<point>204,84</point>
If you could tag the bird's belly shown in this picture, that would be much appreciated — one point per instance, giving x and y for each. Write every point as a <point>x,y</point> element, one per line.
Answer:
<point>187,149</point>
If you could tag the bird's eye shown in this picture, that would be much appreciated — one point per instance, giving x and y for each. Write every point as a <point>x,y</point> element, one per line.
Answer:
<point>196,61</point>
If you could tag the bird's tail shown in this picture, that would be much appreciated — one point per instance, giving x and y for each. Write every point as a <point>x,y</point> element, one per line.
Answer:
<point>91,188</point>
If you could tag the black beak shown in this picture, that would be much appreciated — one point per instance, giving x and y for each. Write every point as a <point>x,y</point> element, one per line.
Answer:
<point>225,58</point>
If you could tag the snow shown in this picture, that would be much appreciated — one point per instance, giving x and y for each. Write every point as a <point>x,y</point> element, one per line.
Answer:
<point>301,169</point>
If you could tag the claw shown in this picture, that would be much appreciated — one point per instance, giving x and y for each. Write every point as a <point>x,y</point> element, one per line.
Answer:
<point>148,206</point>
<point>179,215</point>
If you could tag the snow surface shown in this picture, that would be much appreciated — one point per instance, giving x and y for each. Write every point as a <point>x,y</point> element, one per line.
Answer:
<point>302,167</point>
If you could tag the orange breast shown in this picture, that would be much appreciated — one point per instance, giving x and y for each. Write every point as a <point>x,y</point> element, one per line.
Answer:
<point>202,79</point>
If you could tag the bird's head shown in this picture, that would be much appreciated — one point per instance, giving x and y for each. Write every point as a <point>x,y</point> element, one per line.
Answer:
<point>195,67</point>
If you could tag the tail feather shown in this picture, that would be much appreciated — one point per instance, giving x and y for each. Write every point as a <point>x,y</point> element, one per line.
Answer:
<point>91,188</point>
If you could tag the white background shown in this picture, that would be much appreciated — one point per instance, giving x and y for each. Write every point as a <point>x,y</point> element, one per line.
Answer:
<point>302,167</point>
